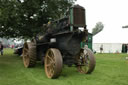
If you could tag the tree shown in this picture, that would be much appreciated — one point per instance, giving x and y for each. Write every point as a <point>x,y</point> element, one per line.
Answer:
<point>126,26</point>
<point>26,17</point>
<point>98,28</point>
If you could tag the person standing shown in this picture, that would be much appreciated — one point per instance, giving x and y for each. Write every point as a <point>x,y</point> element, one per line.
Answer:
<point>1,48</point>
<point>101,49</point>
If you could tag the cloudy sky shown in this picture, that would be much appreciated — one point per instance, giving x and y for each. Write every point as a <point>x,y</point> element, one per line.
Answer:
<point>113,14</point>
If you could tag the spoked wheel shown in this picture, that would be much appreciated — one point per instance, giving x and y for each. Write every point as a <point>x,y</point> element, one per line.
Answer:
<point>53,63</point>
<point>29,55</point>
<point>86,61</point>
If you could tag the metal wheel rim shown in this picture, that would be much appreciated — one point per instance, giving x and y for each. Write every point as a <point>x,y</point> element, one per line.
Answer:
<point>53,63</point>
<point>26,58</point>
<point>89,62</point>
<point>50,63</point>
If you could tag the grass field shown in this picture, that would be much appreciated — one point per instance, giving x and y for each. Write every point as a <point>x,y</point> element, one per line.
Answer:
<point>111,69</point>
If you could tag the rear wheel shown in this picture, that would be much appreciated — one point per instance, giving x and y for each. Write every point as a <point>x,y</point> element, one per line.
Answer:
<point>86,61</point>
<point>29,55</point>
<point>53,63</point>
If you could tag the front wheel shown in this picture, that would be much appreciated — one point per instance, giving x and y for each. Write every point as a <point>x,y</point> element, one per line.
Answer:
<point>53,63</point>
<point>86,61</point>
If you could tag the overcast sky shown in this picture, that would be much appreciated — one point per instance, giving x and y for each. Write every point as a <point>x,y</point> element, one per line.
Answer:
<point>113,14</point>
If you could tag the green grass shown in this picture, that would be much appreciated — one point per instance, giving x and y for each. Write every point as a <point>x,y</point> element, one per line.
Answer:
<point>111,69</point>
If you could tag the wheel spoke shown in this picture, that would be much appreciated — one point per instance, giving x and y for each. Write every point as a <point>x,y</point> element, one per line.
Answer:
<point>52,71</point>
<point>48,65</point>
<point>51,59</point>
<point>25,49</point>
<point>26,55</point>
<point>85,69</point>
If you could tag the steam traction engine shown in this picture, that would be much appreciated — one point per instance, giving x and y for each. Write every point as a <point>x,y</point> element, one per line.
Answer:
<point>62,43</point>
